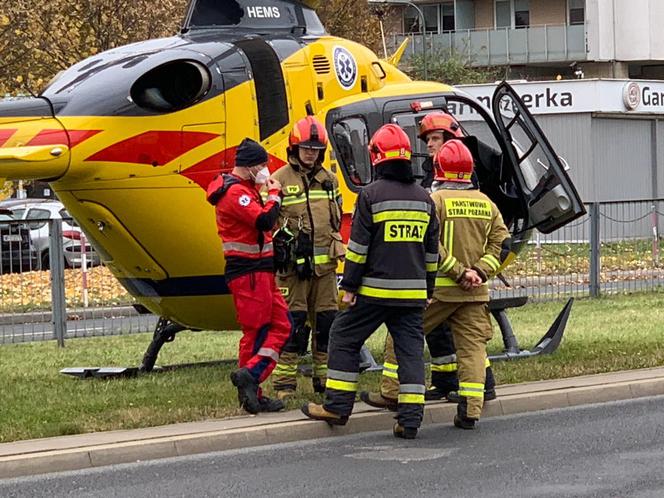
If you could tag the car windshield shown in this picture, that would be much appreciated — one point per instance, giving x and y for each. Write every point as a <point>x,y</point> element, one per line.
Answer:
<point>5,217</point>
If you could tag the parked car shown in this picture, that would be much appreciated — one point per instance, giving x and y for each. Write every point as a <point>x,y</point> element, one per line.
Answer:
<point>17,251</point>
<point>37,213</point>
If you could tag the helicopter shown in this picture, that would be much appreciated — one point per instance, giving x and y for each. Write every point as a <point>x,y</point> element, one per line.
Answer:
<point>130,138</point>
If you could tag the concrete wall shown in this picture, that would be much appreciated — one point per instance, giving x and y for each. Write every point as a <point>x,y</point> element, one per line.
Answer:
<point>625,30</point>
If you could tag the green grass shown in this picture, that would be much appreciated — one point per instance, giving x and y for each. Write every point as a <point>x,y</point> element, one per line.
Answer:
<point>603,335</point>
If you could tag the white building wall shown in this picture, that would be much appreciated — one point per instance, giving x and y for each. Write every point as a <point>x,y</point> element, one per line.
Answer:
<point>625,30</point>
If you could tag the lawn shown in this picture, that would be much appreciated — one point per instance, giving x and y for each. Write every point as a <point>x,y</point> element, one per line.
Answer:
<point>607,334</point>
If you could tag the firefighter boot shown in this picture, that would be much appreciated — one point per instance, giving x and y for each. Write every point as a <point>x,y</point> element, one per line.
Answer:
<point>247,390</point>
<point>404,432</point>
<point>461,419</point>
<point>284,394</point>
<point>270,404</point>
<point>436,393</point>
<point>318,412</point>
<point>377,400</point>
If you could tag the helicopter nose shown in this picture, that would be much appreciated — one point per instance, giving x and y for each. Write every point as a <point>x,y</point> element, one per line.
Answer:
<point>33,143</point>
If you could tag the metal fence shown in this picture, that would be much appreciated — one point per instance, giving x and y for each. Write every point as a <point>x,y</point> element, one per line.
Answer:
<point>82,300</point>
<point>501,46</point>
<point>615,248</point>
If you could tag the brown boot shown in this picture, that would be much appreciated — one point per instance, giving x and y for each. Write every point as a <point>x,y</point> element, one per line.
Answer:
<point>284,394</point>
<point>318,412</point>
<point>404,432</point>
<point>378,401</point>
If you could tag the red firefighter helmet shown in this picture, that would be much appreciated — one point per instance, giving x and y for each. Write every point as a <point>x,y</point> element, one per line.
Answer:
<point>454,163</point>
<point>390,142</point>
<point>439,121</point>
<point>308,132</point>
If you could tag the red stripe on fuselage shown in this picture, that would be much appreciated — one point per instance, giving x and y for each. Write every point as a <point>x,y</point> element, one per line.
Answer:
<point>222,162</point>
<point>5,135</point>
<point>59,137</point>
<point>156,148</point>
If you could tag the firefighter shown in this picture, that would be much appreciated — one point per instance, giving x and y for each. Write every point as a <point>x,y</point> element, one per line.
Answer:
<point>245,226</point>
<point>436,128</point>
<point>474,243</point>
<point>308,247</point>
<point>388,277</point>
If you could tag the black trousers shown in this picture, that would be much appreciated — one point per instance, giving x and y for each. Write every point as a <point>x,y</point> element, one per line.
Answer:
<point>350,330</point>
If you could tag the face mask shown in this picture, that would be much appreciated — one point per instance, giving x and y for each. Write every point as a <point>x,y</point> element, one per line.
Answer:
<point>262,176</point>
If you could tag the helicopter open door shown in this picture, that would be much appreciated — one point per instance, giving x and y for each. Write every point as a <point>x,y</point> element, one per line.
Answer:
<point>551,199</point>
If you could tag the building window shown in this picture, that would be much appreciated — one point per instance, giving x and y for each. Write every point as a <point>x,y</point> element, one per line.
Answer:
<point>503,14</point>
<point>577,13</point>
<point>521,14</point>
<point>512,13</point>
<point>447,14</point>
<point>436,16</point>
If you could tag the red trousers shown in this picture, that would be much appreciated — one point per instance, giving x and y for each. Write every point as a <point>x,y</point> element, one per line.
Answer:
<point>266,325</point>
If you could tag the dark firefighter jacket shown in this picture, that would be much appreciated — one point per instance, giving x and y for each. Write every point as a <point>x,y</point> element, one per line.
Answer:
<point>392,254</point>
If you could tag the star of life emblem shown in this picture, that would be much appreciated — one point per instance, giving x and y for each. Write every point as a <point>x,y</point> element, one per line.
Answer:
<point>345,67</point>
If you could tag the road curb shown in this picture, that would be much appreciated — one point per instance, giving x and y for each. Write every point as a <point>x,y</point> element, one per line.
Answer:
<point>43,456</point>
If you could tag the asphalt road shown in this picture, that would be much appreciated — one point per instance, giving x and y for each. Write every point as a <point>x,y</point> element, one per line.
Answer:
<point>607,450</point>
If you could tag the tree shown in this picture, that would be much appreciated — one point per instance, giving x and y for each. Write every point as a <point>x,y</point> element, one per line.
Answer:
<point>450,68</point>
<point>38,39</point>
<point>352,19</point>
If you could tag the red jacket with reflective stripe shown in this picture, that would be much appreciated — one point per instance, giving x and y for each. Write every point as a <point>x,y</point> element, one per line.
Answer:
<point>244,223</point>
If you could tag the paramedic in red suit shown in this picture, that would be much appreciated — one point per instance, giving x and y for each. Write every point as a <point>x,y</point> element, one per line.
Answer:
<point>245,226</point>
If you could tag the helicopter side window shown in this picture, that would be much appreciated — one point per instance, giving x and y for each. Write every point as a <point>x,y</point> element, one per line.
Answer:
<point>351,136</point>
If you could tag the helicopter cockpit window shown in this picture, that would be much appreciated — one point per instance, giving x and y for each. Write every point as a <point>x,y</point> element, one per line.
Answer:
<point>351,137</point>
<point>271,14</point>
<point>172,86</point>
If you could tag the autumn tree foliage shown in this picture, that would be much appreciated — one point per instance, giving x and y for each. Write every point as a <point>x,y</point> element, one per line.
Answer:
<point>39,38</point>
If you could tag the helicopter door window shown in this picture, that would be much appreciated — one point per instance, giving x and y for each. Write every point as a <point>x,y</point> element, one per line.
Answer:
<point>551,196</point>
<point>350,137</point>
<point>492,165</point>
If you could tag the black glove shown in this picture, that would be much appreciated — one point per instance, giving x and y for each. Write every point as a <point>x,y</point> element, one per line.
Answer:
<point>282,242</point>
<point>304,250</point>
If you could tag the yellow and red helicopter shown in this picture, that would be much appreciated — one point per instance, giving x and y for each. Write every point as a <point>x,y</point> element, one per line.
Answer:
<point>130,138</point>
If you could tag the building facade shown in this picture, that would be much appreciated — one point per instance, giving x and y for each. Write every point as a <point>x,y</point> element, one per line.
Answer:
<point>540,39</point>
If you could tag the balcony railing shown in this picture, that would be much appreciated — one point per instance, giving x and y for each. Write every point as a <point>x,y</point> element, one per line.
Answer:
<point>494,47</point>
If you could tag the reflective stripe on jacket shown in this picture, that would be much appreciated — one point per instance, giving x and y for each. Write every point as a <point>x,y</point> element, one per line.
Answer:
<point>392,253</point>
<point>312,203</point>
<point>471,236</point>
<point>244,223</point>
